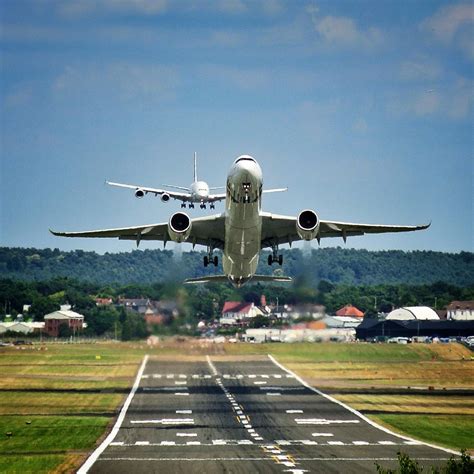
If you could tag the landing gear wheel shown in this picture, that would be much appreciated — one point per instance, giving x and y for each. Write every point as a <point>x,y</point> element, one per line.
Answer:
<point>206,261</point>
<point>191,206</point>
<point>215,260</point>
<point>183,205</point>
<point>280,260</point>
<point>270,259</point>
<point>212,206</point>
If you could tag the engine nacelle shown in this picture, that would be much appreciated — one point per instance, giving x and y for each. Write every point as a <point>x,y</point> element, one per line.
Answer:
<point>165,197</point>
<point>139,193</point>
<point>179,227</point>
<point>307,224</point>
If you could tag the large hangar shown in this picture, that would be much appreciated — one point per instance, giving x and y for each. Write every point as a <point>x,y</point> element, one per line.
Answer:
<point>410,313</point>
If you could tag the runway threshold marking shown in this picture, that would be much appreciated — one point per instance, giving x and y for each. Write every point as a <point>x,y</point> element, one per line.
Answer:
<point>94,456</point>
<point>355,412</point>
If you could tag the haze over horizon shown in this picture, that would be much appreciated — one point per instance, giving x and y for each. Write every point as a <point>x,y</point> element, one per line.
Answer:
<point>363,109</point>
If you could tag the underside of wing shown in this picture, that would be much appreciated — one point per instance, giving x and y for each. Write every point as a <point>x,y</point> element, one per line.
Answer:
<point>216,197</point>
<point>155,191</point>
<point>278,229</point>
<point>207,230</point>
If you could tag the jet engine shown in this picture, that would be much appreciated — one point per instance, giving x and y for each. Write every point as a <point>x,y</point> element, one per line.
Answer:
<point>139,193</point>
<point>179,227</point>
<point>307,224</point>
<point>165,197</point>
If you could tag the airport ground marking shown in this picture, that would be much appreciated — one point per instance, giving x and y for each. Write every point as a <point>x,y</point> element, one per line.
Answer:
<point>355,412</point>
<point>95,455</point>
<point>166,421</point>
<point>212,366</point>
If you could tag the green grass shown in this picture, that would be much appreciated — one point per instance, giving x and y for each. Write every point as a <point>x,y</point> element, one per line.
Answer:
<point>330,352</point>
<point>453,431</point>
<point>52,434</point>
<point>30,464</point>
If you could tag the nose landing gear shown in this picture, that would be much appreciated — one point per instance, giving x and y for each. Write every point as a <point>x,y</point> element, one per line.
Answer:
<point>274,257</point>
<point>210,259</point>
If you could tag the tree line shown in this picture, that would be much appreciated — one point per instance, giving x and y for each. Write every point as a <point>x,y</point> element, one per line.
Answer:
<point>340,266</point>
<point>204,303</point>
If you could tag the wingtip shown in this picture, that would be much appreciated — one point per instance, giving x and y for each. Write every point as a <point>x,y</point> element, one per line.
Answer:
<point>53,232</point>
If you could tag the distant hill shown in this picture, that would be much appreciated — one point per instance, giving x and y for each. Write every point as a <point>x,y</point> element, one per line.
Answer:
<point>337,265</point>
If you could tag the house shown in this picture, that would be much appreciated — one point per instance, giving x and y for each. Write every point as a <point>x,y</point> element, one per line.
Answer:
<point>235,313</point>
<point>103,301</point>
<point>461,310</point>
<point>73,320</point>
<point>140,305</point>
<point>160,312</point>
<point>350,311</point>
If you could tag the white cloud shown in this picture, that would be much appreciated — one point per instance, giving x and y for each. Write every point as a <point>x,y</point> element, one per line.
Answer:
<point>20,95</point>
<point>419,69</point>
<point>454,100</point>
<point>232,6</point>
<point>343,32</point>
<point>245,79</point>
<point>453,24</point>
<point>79,8</point>
<point>124,81</point>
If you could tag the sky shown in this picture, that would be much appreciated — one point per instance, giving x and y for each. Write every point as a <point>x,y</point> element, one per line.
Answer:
<point>364,109</point>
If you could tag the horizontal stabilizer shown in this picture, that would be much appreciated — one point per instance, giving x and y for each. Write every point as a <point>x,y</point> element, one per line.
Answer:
<point>224,278</point>
<point>276,190</point>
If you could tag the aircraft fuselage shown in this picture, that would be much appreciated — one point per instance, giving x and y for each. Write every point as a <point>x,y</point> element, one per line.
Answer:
<point>243,224</point>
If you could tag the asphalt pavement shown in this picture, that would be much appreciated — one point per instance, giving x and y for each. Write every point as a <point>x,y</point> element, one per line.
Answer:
<point>242,417</point>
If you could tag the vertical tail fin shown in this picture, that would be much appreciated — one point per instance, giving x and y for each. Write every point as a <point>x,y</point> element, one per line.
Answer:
<point>195,167</point>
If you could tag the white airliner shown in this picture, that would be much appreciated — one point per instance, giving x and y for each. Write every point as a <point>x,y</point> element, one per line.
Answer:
<point>243,229</point>
<point>198,192</point>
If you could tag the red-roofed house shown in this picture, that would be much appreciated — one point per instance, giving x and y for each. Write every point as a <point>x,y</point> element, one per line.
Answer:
<point>350,310</point>
<point>235,312</point>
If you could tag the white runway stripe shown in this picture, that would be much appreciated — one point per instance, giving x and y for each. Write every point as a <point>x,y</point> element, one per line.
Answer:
<point>166,421</point>
<point>184,412</point>
<point>322,421</point>
<point>294,411</point>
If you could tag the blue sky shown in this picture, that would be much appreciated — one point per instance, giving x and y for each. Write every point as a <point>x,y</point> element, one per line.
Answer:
<point>363,109</point>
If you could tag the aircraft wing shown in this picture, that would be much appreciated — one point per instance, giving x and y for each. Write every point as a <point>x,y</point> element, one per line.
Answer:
<point>156,191</point>
<point>207,230</point>
<point>215,197</point>
<point>278,229</point>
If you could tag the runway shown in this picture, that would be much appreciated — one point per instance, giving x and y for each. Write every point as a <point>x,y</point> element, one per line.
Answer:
<point>240,417</point>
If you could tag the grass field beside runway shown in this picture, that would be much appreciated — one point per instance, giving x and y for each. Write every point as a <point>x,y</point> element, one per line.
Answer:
<point>446,430</point>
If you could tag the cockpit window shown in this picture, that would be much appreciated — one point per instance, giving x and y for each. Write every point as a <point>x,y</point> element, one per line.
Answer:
<point>244,158</point>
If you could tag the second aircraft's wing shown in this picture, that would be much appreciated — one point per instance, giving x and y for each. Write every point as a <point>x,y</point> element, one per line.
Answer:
<point>278,229</point>
<point>207,230</point>
<point>155,191</point>
<point>215,197</point>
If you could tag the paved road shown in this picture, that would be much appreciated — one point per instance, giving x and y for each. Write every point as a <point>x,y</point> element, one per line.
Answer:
<point>244,417</point>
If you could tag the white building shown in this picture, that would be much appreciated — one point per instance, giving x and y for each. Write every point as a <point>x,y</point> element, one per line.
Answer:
<point>461,310</point>
<point>412,312</point>
<point>21,327</point>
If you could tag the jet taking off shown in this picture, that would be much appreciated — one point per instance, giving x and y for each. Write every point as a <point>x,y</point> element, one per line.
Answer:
<point>243,229</point>
<point>198,192</point>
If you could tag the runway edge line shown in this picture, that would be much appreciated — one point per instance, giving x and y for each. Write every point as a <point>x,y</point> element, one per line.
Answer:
<point>94,456</point>
<point>357,413</point>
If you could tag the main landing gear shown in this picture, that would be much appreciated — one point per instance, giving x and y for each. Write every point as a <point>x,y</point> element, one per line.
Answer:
<point>274,257</point>
<point>210,259</point>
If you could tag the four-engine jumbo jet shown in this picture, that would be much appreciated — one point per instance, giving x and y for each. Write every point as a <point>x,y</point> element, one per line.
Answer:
<point>243,229</point>
<point>198,192</point>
